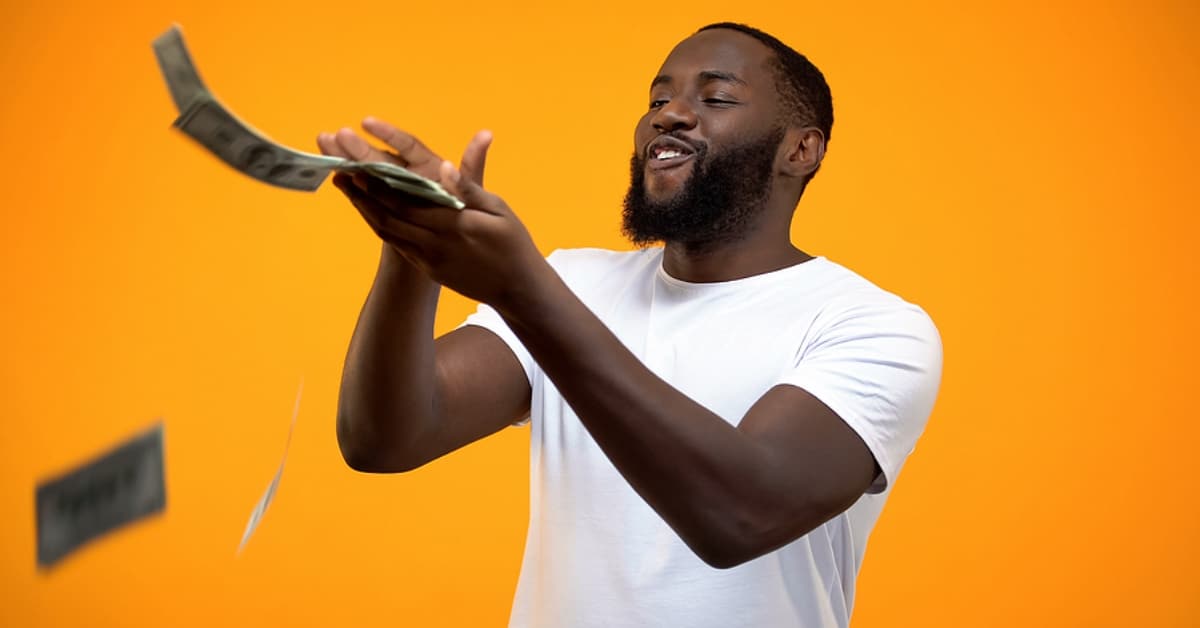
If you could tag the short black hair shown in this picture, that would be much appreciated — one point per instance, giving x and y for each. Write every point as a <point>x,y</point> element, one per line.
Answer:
<point>801,86</point>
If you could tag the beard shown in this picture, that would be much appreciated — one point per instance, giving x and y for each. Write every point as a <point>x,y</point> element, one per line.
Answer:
<point>717,204</point>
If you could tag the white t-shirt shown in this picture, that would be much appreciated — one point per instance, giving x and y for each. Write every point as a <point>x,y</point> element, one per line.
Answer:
<point>597,555</point>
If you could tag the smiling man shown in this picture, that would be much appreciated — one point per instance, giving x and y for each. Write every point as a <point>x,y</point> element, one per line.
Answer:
<point>716,422</point>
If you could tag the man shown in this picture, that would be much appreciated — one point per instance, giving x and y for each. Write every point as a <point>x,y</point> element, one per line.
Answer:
<point>716,422</point>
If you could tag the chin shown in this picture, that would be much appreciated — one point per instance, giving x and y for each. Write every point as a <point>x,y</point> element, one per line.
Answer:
<point>663,195</point>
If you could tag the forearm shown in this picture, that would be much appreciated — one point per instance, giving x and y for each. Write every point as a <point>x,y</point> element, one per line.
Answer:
<point>712,483</point>
<point>387,399</point>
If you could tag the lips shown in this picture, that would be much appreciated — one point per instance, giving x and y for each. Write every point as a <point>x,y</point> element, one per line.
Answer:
<point>668,152</point>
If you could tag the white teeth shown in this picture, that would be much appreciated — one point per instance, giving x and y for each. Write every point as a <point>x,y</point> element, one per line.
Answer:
<point>667,154</point>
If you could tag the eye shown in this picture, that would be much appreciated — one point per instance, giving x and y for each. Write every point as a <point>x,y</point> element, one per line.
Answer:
<point>720,102</point>
<point>655,104</point>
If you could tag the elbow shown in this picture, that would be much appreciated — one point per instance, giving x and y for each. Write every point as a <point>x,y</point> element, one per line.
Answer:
<point>368,453</point>
<point>365,460</point>
<point>727,552</point>
<point>722,558</point>
<point>736,537</point>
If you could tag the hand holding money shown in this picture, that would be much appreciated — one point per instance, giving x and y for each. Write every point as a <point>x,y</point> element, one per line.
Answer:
<point>389,213</point>
<point>483,252</point>
<point>407,152</point>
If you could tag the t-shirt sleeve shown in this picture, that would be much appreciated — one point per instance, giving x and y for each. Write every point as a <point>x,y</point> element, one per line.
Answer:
<point>487,317</point>
<point>878,366</point>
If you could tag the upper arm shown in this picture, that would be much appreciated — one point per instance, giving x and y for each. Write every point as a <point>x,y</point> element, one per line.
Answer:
<point>877,368</point>
<point>483,375</point>
<point>481,389</point>
<point>843,418</point>
<point>816,464</point>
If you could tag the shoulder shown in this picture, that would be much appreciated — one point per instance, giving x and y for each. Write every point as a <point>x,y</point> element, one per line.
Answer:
<point>855,307</point>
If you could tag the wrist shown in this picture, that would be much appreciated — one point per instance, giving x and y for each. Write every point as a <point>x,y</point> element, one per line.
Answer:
<point>394,268</point>
<point>532,294</point>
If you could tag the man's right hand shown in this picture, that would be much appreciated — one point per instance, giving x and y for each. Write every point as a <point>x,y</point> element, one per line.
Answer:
<point>406,399</point>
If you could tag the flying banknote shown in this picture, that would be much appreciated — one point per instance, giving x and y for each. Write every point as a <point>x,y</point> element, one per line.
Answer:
<point>204,119</point>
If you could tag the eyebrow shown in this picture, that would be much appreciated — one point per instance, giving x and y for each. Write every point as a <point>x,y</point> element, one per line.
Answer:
<point>705,77</point>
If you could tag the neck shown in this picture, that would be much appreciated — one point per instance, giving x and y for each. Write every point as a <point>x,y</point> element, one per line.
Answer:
<point>764,248</point>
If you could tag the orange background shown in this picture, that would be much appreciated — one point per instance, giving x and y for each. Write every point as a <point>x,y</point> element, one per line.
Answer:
<point>1026,173</point>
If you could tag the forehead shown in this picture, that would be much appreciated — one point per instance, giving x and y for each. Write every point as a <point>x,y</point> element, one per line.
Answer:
<point>720,50</point>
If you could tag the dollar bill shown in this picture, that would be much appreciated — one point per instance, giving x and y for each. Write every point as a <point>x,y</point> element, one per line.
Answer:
<point>113,490</point>
<point>204,119</point>
<point>260,508</point>
<point>404,180</point>
<point>440,197</point>
<point>183,81</point>
<point>240,146</point>
<point>381,169</point>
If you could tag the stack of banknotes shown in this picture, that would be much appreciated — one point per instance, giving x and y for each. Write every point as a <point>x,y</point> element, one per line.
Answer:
<point>203,118</point>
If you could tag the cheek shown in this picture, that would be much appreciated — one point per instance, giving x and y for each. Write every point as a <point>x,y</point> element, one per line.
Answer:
<point>642,133</point>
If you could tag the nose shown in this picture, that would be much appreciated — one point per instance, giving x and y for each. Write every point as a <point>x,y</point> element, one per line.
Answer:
<point>674,115</point>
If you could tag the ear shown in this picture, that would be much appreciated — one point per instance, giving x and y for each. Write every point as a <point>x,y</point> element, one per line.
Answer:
<point>804,148</point>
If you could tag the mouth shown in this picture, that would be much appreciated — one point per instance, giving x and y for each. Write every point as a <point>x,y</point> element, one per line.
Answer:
<point>667,152</point>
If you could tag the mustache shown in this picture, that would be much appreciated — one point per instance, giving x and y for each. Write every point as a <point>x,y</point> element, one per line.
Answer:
<point>700,147</point>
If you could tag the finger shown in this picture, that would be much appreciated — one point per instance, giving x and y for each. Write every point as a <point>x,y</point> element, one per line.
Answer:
<point>329,145</point>
<point>362,181</point>
<point>471,193</point>
<point>411,152</point>
<point>437,220</point>
<point>341,180</point>
<point>357,148</point>
<point>391,229</point>
<point>361,203</point>
<point>403,207</point>
<point>475,157</point>
<point>374,211</point>
<point>409,208</point>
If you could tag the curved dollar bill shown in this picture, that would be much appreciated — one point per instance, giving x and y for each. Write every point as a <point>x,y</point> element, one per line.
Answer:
<point>404,180</point>
<point>204,119</point>
<point>251,153</point>
<point>183,80</point>
<point>260,508</point>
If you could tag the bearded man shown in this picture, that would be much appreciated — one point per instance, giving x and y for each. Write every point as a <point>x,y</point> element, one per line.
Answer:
<point>716,422</point>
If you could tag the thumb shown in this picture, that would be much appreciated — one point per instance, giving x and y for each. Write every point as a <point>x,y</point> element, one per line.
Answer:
<point>475,156</point>
<point>469,192</point>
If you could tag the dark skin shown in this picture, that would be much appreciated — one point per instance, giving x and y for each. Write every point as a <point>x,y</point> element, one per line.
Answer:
<point>731,492</point>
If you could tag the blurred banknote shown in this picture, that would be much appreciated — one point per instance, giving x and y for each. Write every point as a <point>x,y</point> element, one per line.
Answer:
<point>207,122</point>
<point>204,119</point>
<point>183,81</point>
<point>260,508</point>
<point>112,490</point>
